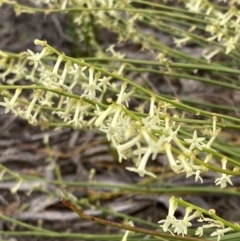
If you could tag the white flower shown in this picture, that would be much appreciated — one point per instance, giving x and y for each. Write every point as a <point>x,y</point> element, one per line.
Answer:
<point>151,123</point>
<point>199,231</point>
<point>226,17</point>
<point>114,132</point>
<point>220,232</point>
<point>121,93</point>
<point>141,167</point>
<point>211,223</point>
<point>195,142</point>
<point>173,164</point>
<point>126,146</point>
<point>15,188</point>
<point>27,114</point>
<point>33,118</point>
<point>114,53</point>
<point>210,53</point>
<point>66,115</point>
<point>152,106</point>
<point>172,135</point>
<point>122,96</point>
<point>47,101</point>
<point>179,42</point>
<point>77,120</point>
<point>230,44</point>
<point>211,140</point>
<point>186,165</point>
<point>91,87</point>
<point>198,177</point>
<point>77,72</point>
<point>224,179</point>
<point>102,115</point>
<point>114,126</point>
<point>50,78</point>
<point>156,146</point>
<point>170,219</point>
<point>194,5</point>
<point>104,82</point>
<point>64,73</point>
<point>9,105</point>
<point>182,225</point>
<point>35,59</point>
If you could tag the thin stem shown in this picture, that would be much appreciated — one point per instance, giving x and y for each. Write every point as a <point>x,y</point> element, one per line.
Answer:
<point>25,225</point>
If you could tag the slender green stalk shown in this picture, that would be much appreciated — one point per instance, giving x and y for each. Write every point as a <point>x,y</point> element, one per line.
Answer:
<point>27,226</point>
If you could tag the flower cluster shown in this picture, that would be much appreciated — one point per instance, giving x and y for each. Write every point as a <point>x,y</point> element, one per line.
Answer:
<point>221,23</point>
<point>212,223</point>
<point>180,226</point>
<point>74,92</point>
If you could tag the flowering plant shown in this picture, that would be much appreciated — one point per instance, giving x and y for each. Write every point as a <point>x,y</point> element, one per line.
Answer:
<point>80,94</point>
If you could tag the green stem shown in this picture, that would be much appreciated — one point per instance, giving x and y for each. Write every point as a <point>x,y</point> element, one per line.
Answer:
<point>25,225</point>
